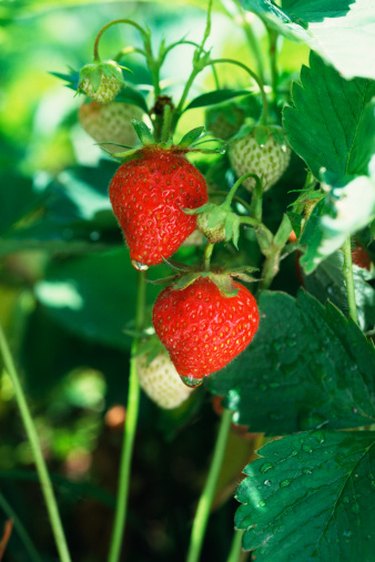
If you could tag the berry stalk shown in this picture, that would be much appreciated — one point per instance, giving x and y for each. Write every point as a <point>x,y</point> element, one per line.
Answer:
<point>206,499</point>
<point>132,409</point>
<point>40,464</point>
<point>349,279</point>
<point>235,551</point>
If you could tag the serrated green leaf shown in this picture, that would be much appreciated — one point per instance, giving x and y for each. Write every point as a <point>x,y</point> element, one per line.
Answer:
<point>310,498</point>
<point>322,130</point>
<point>216,96</point>
<point>328,282</point>
<point>341,31</point>
<point>343,212</point>
<point>307,366</point>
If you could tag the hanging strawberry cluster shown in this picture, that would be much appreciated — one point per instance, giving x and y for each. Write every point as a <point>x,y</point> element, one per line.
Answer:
<point>204,317</point>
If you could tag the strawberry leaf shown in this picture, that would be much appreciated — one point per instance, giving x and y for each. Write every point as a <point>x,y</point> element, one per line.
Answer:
<point>343,212</point>
<point>319,126</point>
<point>341,31</point>
<point>328,281</point>
<point>128,94</point>
<point>309,497</point>
<point>308,366</point>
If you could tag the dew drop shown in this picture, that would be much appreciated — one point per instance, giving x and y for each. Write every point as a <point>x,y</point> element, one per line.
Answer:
<point>262,503</point>
<point>347,533</point>
<point>307,448</point>
<point>294,453</point>
<point>307,471</point>
<point>191,382</point>
<point>284,483</point>
<point>139,266</point>
<point>266,467</point>
<point>267,483</point>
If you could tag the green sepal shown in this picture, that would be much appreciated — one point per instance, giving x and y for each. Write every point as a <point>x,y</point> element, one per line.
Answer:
<point>150,348</point>
<point>265,239</point>
<point>71,79</point>
<point>191,137</point>
<point>283,232</point>
<point>144,133</point>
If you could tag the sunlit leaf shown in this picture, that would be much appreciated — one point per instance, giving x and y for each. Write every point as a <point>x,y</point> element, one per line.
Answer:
<point>309,497</point>
<point>308,366</point>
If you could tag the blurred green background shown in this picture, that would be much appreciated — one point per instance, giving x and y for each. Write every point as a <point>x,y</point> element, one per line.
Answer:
<point>67,292</point>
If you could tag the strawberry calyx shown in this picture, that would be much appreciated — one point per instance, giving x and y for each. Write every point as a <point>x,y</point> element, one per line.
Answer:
<point>101,81</point>
<point>147,142</point>
<point>261,133</point>
<point>223,279</point>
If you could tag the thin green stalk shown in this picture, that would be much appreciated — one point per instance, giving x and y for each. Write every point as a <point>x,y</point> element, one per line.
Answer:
<point>349,280</point>
<point>264,115</point>
<point>129,432</point>
<point>32,436</point>
<point>110,24</point>
<point>235,551</point>
<point>239,182</point>
<point>207,256</point>
<point>252,40</point>
<point>20,530</point>
<point>206,499</point>
<point>272,38</point>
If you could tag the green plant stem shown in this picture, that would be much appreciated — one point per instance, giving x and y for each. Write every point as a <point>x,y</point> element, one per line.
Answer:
<point>132,409</point>
<point>235,551</point>
<point>110,24</point>
<point>236,185</point>
<point>20,530</point>
<point>264,115</point>
<point>349,280</point>
<point>206,499</point>
<point>207,256</point>
<point>272,38</point>
<point>252,40</point>
<point>32,436</point>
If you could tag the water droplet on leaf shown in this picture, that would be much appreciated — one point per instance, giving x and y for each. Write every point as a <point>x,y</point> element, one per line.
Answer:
<point>284,483</point>
<point>266,467</point>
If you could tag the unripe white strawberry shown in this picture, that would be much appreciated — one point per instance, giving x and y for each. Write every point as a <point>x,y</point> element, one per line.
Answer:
<point>268,159</point>
<point>101,81</point>
<point>161,382</point>
<point>110,122</point>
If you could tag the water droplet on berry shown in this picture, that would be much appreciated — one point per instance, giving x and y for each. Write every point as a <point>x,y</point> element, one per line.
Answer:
<point>139,266</point>
<point>191,382</point>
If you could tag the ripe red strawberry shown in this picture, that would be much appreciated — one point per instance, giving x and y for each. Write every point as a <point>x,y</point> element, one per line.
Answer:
<point>148,195</point>
<point>202,329</point>
<point>361,257</point>
<point>160,381</point>
<point>110,122</point>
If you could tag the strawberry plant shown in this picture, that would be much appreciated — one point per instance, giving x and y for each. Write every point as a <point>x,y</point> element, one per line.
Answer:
<point>191,225</point>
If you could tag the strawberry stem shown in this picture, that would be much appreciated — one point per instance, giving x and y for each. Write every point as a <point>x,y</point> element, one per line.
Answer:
<point>206,499</point>
<point>36,449</point>
<point>129,430</point>
<point>349,279</point>
<point>264,115</point>
<point>110,24</point>
<point>235,551</point>
<point>207,256</point>
<point>236,185</point>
